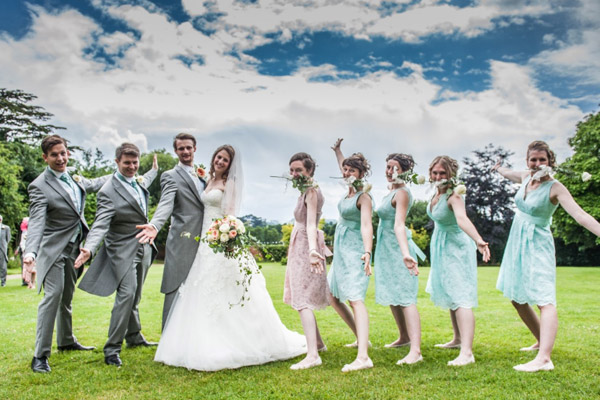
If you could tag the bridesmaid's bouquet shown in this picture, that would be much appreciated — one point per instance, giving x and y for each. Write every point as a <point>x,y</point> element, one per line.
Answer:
<point>228,236</point>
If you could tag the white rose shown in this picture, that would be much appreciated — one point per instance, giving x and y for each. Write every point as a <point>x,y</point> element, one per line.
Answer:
<point>460,190</point>
<point>420,179</point>
<point>241,228</point>
<point>224,237</point>
<point>224,228</point>
<point>77,178</point>
<point>211,238</point>
<point>586,176</point>
<point>239,225</point>
<point>139,179</point>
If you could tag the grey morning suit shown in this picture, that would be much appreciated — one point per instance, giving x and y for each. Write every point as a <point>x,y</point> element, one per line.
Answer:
<point>180,199</point>
<point>122,262</point>
<point>4,241</point>
<point>56,228</point>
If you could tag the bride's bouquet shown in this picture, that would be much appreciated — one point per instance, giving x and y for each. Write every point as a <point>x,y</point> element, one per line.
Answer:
<point>228,236</point>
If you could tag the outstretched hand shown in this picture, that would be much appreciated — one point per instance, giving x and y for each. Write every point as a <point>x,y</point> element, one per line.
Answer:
<point>147,234</point>
<point>338,143</point>
<point>316,262</point>
<point>84,255</point>
<point>498,164</point>
<point>366,257</point>
<point>412,265</point>
<point>484,249</point>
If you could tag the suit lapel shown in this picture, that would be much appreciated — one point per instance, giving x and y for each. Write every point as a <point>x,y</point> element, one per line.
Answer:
<point>120,189</point>
<point>53,182</point>
<point>188,179</point>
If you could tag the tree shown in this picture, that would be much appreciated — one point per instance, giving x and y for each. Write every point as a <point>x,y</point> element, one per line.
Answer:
<point>586,158</point>
<point>418,218</point>
<point>18,119</point>
<point>12,202</point>
<point>490,197</point>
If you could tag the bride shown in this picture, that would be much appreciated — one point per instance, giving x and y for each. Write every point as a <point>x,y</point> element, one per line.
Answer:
<point>203,332</point>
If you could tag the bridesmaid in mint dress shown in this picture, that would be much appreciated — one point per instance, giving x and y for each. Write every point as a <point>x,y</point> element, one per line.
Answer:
<point>396,282</point>
<point>452,281</point>
<point>528,270</point>
<point>351,267</point>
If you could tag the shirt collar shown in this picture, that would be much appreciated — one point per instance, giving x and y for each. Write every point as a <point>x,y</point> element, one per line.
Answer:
<point>187,168</point>
<point>127,179</point>
<point>56,173</point>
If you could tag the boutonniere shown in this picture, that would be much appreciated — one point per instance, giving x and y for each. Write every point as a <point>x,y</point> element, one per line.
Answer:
<point>300,182</point>
<point>201,171</point>
<point>139,179</point>
<point>77,178</point>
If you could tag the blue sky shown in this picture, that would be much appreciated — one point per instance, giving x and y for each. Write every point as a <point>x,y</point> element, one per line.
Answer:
<point>275,77</point>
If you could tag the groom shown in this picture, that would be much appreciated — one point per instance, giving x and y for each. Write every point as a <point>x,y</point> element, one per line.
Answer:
<point>180,200</point>
<point>122,263</point>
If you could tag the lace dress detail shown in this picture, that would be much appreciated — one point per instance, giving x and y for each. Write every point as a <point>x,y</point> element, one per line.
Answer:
<point>204,333</point>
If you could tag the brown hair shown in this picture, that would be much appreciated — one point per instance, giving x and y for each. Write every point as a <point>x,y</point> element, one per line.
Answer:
<point>229,149</point>
<point>50,141</point>
<point>406,161</point>
<point>183,136</point>
<point>358,161</point>
<point>128,149</point>
<point>448,163</point>
<point>540,145</point>
<point>307,161</point>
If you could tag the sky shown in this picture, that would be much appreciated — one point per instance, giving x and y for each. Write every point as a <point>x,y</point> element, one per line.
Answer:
<point>275,77</point>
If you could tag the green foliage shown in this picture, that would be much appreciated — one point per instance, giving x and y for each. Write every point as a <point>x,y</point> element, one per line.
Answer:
<point>418,218</point>
<point>490,198</point>
<point>12,202</point>
<point>329,232</point>
<point>18,118</point>
<point>277,251</point>
<point>165,162</point>
<point>286,233</point>
<point>266,234</point>
<point>421,239</point>
<point>586,158</point>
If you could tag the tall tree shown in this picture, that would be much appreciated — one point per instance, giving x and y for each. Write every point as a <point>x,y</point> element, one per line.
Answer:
<point>586,158</point>
<point>489,200</point>
<point>12,202</point>
<point>20,120</point>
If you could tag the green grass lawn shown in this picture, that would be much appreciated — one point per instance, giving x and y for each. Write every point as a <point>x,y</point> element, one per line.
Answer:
<point>499,335</point>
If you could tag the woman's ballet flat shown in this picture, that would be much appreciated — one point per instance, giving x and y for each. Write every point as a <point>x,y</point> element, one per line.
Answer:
<point>530,348</point>
<point>357,365</point>
<point>322,349</point>
<point>459,363</point>
<point>315,363</point>
<point>405,362</point>
<point>394,345</point>
<point>447,346</point>
<point>544,367</point>
<point>355,344</point>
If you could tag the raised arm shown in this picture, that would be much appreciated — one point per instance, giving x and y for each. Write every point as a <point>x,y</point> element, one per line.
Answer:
<point>513,176</point>
<point>316,259</point>
<point>152,173</point>
<point>338,152</point>
<point>458,206</point>
<point>366,229</point>
<point>95,184</point>
<point>561,194</point>
<point>401,200</point>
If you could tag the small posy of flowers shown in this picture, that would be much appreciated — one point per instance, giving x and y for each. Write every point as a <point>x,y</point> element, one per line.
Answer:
<point>453,185</point>
<point>300,182</point>
<point>407,177</point>
<point>77,178</point>
<point>358,184</point>
<point>541,172</point>
<point>139,179</point>
<point>228,236</point>
<point>201,171</point>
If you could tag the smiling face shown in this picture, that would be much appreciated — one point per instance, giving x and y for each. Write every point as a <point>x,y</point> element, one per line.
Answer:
<point>128,165</point>
<point>438,172</point>
<point>348,171</point>
<point>57,157</point>
<point>536,158</point>
<point>297,168</point>
<point>221,162</point>
<point>185,149</point>
<point>389,169</point>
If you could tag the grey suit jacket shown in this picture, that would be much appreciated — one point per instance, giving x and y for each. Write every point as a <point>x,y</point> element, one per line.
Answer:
<point>4,241</point>
<point>180,200</point>
<point>117,215</point>
<point>54,218</point>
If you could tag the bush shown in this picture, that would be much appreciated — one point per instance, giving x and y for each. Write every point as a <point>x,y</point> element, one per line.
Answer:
<point>284,261</point>
<point>277,251</point>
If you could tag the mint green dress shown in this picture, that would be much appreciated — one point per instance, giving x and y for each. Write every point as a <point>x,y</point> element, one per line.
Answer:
<point>347,278</point>
<point>452,280</point>
<point>528,269</point>
<point>394,285</point>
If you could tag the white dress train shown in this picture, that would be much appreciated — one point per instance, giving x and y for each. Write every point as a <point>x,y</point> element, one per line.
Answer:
<point>204,333</point>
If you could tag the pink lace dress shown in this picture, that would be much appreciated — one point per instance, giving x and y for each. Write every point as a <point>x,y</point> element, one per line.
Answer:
<point>303,288</point>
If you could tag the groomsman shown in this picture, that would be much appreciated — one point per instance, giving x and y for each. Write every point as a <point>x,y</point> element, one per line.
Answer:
<point>180,199</point>
<point>56,228</point>
<point>122,263</point>
<point>4,241</point>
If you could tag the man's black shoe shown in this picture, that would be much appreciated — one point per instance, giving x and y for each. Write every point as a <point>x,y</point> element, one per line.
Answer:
<point>143,343</point>
<point>40,365</point>
<point>113,360</point>
<point>75,346</point>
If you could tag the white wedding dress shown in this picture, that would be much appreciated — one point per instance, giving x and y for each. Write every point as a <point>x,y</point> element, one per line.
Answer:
<point>204,333</point>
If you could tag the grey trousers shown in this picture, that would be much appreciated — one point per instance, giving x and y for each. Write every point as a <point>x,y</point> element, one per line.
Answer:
<point>3,269</point>
<point>59,285</point>
<point>125,319</point>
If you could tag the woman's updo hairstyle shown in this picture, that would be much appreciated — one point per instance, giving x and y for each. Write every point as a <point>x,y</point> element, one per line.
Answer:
<point>307,162</point>
<point>540,145</point>
<point>448,163</point>
<point>359,162</point>
<point>407,163</point>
